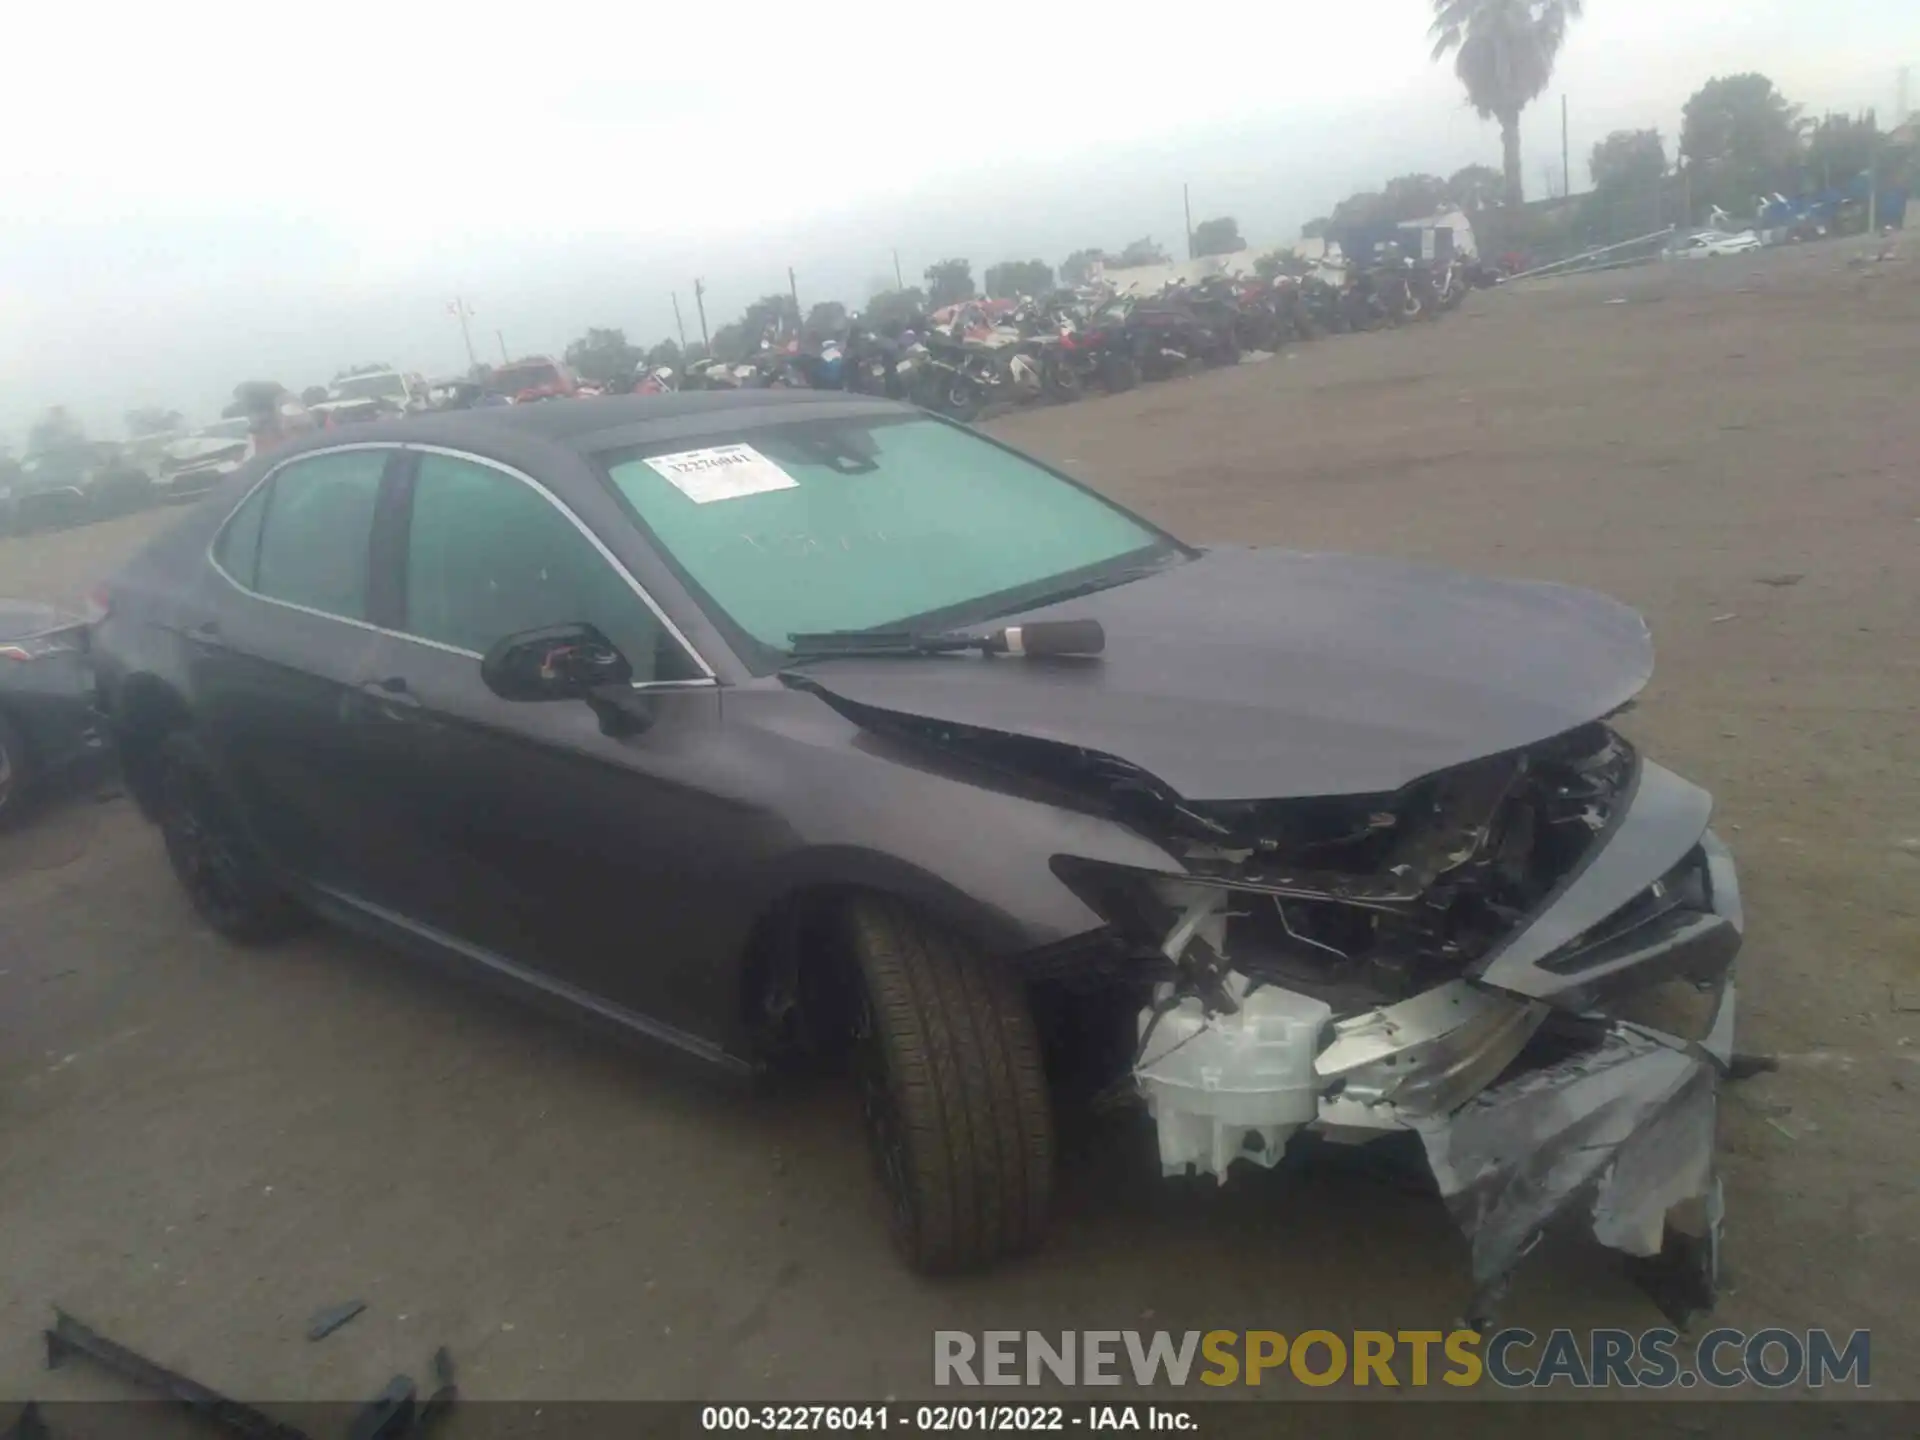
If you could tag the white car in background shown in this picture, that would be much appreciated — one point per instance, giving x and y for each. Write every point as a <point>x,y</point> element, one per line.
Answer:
<point>396,390</point>
<point>194,464</point>
<point>1712,244</point>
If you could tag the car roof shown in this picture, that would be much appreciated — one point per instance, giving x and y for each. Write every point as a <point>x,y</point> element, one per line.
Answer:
<point>577,423</point>
<point>601,423</point>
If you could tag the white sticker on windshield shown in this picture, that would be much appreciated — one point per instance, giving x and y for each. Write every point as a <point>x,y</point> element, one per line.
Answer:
<point>726,472</point>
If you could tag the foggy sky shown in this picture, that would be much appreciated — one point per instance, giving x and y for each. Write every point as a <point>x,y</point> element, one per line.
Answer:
<point>220,192</point>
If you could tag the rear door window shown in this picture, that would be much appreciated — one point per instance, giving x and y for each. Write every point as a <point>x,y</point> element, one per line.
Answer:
<point>317,537</point>
<point>238,546</point>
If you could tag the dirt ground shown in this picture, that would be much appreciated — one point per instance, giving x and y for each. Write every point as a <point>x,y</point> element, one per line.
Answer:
<point>200,1146</point>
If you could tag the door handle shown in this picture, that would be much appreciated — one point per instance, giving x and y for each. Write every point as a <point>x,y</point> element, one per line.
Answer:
<point>391,691</point>
<point>387,699</point>
<point>207,636</point>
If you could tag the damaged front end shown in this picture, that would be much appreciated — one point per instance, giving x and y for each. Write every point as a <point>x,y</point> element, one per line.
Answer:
<point>1524,961</point>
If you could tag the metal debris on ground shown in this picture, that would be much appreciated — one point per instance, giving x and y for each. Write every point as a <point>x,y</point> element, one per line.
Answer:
<point>393,1413</point>
<point>396,1410</point>
<point>73,1337</point>
<point>1722,619</point>
<point>330,1319</point>
<point>1780,580</point>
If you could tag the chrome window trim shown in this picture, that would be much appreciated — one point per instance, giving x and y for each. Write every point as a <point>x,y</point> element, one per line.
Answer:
<point>705,679</point>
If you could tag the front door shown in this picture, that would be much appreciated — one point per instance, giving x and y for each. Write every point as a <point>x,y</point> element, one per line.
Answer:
<point>532,837</point>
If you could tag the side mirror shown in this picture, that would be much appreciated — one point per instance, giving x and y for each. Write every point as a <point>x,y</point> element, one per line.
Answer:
<point>561,662</point>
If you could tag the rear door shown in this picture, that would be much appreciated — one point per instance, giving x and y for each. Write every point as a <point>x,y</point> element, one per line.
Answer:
<point>277,666</point>
<point>537,842</point>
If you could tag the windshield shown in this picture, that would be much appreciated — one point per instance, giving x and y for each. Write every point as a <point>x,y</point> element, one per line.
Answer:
<point>852,524</point>
<point>512,379</point>
<point>371,387</point>
<point>237,429</point>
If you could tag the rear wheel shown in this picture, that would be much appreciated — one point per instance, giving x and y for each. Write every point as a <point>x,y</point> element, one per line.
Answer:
<point>214,861</point>
<point>956,1100</point>
<point>1059,379</point>
<point>1118,372</point>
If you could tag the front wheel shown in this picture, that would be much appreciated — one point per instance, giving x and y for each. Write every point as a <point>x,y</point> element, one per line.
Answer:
<point>212,858</point>
<point>953,1089</point>
<point>959,398</point>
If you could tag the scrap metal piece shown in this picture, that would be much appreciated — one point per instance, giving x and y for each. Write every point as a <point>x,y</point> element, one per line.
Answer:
<point>389,1414</point>
<point>72,1337</point>
<point>398,1411</point>
<point>330,1319</point>
<point>445,1391</point>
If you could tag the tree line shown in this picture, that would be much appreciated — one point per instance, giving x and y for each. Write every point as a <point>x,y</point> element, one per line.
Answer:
<point>1740,138</point>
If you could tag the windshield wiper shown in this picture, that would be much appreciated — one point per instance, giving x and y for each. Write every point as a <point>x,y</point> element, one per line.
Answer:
<point>1042,637</point>
<point>1091,585</point>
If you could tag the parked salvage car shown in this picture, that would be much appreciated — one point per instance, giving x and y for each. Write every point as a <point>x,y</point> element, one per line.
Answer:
<point>531,378</point>
<point>47,718</point>
<point>196,463</point>
<point>83,482</point>
<point>1714,244</point>
<point>791,725</point>
<point>43,493</point>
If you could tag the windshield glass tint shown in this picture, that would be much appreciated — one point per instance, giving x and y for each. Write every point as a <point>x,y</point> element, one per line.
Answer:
<point>856,524</point>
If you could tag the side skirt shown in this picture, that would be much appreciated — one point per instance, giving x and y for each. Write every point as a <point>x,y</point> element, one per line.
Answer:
<point>437,946</point>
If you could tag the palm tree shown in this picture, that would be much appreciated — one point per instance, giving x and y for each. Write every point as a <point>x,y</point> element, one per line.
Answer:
<point>1506,54</point>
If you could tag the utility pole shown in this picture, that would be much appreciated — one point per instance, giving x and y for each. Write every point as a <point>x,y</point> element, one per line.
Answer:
<point>1566,160</point>
<point>1186,202</point>
<point>1873,175</point>
<point>461,311</point>
<point>899,283</point>
<point>678,323</point>
<point>503,347</point>
<point>700,304</point>
<point>793,289</point>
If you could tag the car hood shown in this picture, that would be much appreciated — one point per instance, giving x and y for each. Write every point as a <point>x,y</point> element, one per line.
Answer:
<point>1265,674</point>
<point>203,447</point>
<point>24,619</point>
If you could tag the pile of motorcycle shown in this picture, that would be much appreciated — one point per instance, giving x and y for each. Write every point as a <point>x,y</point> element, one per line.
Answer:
<point>1059,347</point>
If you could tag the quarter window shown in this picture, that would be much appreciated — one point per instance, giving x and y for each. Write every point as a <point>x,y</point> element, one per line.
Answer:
<point>318,532</point>
<point>489,556</point>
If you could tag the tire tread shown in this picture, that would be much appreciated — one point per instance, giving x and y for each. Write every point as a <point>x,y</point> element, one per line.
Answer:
<point>964,1066</point>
